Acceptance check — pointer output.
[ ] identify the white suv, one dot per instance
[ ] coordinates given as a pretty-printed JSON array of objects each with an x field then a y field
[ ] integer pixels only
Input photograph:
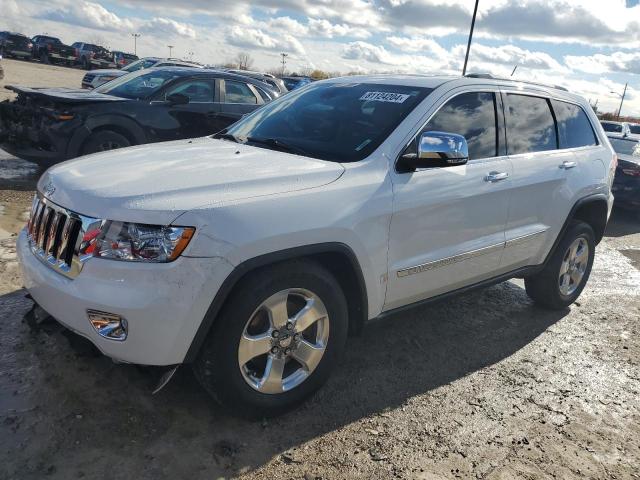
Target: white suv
[{"x": 253, "y": 254}]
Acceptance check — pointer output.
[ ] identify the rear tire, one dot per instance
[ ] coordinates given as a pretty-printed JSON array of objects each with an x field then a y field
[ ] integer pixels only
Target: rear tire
[
  {"x": 104, "y": 141},
  {"x": 86, "y": 65},
  {"x": 566, "y": 273},
  {"x": 44, "y": 58},
  {"x": 242, "y": 378}
]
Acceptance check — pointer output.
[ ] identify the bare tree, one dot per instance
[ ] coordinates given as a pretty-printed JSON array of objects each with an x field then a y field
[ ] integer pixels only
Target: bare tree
[{"x": 244, "y": 61}]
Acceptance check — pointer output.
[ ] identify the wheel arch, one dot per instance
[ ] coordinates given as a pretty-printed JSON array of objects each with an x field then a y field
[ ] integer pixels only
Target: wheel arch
[
  {"x": 592, "y": 210},
  {"x": 338, "y": 258},
  {"x": 130, "y": 129}
]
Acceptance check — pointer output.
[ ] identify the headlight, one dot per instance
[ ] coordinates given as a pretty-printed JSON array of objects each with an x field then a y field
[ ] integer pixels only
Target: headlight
[{"x": 135, "y": 242}]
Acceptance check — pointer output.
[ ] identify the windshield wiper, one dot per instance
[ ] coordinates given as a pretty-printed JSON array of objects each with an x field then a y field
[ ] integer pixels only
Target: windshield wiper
[
  {"x": 274, "y": 142},
  {"x": 227, "y": 136}
]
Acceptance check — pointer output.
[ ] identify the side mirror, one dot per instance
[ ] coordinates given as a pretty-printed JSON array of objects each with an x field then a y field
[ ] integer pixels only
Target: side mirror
[
  {"x": 436, "y": 149},
  {"x": 177, "y": 99}
]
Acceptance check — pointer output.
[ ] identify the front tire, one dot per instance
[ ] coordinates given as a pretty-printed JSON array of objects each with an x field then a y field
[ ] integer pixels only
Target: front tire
[
  {"x": 103, "y": 141},
  {"x": 276, "y": 340},
  {"x": 562, "y": 280}
]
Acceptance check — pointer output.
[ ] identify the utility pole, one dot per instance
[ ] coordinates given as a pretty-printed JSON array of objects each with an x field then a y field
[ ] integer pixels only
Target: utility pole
[
  {"x": 473, "y": 23},
  {"x": 284, "y": 61},
  {"x": 622, "y": 100},
  {"x": 170, "y": 48},
  {"x": 135, "y": 42},
  {"x": 514, "y": 70}
]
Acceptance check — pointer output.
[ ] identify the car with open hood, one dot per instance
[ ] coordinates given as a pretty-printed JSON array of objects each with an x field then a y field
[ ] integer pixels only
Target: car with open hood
[{"x": 48, "y": 125}]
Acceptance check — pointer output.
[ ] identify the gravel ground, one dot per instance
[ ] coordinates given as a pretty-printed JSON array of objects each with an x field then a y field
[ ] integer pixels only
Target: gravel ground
[
  {"x": 485, "y": 385},
  {"x": 32, "y": 74}
]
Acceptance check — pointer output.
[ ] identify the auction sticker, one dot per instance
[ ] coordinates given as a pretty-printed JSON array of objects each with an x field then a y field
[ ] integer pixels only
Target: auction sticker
[{"x": 385, "y": 97}]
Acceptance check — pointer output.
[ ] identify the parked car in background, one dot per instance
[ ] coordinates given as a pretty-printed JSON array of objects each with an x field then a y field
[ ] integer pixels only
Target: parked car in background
[
  {"x": 15, "y": 45},
  {"x": 52, "y": 50},
  {"x": 275, "y": 82},
  {"x": 99, "y": 77},
  {"x": 47, "y": 125},
  {"x": 296, "y": 82},
  {"x": 616, "y": 129},
  {"x": 626, "y": 186},
  {"x": 254, "y": 253},
  {"x": 634, "y": 131},
  {"x": 1, "y": 69},
  {"x": 123, "y": 59},
  {"x": 91, "y": 56}
]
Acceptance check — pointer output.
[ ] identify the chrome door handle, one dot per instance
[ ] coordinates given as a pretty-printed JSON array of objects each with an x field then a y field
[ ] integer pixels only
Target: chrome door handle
[
  {"x": 567, "y": 165},
  {"x": 496, "y": 176}
]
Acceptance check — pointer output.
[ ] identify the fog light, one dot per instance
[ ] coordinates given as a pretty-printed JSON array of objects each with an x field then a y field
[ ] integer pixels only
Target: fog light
[{"x": 108, "y": 325}]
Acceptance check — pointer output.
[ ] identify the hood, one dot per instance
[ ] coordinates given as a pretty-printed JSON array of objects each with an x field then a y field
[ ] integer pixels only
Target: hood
[
  {"x": 65, "y": 95},
  {"x": 157, "y": 183},
  {"x": 109, "y": 72}
]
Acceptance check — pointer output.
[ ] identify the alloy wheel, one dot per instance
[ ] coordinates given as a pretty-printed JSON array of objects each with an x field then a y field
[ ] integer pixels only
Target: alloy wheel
[
  {"x": 574, "y": 264},
  {"x": 283, "y": 341}
]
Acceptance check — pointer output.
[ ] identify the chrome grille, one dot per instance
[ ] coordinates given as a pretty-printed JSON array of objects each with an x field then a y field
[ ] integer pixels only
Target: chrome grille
[{"x": 56, "y": 235}]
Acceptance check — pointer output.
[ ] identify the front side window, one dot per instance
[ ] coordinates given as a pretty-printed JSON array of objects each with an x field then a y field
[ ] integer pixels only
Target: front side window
[
  {"x": 138, "y": 86},
  {"x": 237, "y": 92},
  {"x": 623, "y": 146},
  {"x": 530, "y": 125},
  {"x": 472, "y": 115},
  {"x": 611, "y": 127},
  {"x": 574, "y": 128},
  {"x": 199, "y": 91},
  {"x": 341, "y": 122}
]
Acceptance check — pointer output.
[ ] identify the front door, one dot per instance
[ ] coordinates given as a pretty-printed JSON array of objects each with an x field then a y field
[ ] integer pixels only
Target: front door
[
  {"x": 196, "y": 118},
  {"x": 447, "y": 226}
]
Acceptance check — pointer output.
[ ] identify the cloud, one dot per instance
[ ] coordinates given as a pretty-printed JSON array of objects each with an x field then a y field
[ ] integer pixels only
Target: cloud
[
  {"x": 87, "y": 14},
  {"x": 324, "y": 28},
  {"x": 418, "y": 44},
  {"x": 256, "y": 38},
  {"x": 509, "y": 55},
  {"x": 166, "y": 27},
  {"x": 598, "y": 63}
]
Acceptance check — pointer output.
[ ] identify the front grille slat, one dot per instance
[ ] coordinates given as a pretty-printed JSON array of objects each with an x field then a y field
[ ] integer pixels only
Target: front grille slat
[{"x": 54, "y": 235}]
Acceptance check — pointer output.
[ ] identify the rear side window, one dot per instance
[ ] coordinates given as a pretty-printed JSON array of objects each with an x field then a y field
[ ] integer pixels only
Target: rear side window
[
  {"x": 574, "y": 128},
  {"x": 530, "y": 125},
  {"x": 237, "y": 92},
  {"x": 472, "y": 115}
]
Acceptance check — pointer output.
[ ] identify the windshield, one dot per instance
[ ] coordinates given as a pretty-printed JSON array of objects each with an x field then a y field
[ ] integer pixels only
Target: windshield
[
  {"x": 342, "y": 122},
  {"x": 138, "y": 86},
  {"x": 611, "y": 127},
  {"x": 140, "y": 65},
  {"x": 625, "y": 147},
  {"x": 634, "y": 128}
]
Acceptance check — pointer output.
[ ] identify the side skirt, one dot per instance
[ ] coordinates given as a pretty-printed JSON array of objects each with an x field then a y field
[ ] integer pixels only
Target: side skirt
[{"x": 518, "y": 273}]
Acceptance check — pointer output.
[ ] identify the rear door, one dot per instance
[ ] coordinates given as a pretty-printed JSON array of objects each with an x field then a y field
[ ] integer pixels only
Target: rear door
[
  {"x": 238, "y": 99},
  {"x": 540, "y": 198},
  {"x": 447, "y": 227}
]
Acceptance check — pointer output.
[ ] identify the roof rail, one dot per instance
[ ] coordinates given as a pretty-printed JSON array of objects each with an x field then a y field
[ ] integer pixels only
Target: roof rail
[{"x": 492, "y": 77}]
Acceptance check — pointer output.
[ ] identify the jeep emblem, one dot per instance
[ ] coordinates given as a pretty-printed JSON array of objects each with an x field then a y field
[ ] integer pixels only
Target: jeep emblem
[{"x": 49, "y": 189}]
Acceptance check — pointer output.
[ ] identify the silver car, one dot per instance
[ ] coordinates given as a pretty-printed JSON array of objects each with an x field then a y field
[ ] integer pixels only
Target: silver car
[{"x": 96, "y": 78}]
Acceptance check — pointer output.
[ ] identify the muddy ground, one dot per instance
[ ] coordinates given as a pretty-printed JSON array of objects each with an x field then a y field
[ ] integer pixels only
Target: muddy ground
[{"x": 485, "y": 385}]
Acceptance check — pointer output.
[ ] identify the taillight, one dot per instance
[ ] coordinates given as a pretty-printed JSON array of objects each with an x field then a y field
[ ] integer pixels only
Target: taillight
[
  {"x": 49, "y": 47},
  {"x": 92, "y": 54},
  {"x": 76, "y": 52},
  {"x": 30, "y": 45},
  {"x": 612, "y": 171}
]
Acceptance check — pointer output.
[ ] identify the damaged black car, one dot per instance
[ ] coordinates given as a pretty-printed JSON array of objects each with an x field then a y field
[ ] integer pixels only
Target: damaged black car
[{"x": 48, "y": 125}]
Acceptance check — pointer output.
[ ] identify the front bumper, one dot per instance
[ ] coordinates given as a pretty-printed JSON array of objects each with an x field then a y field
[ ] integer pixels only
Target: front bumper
[
  {"x": 17, "y": 53},
  {"x": 163, "y": 304}
]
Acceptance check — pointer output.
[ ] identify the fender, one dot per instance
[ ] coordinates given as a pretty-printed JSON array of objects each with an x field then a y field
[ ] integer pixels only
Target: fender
[
  {"x": 596, "y": 197},
  {"x": 268, "y": 259},
  {"x": 81, "y": 134}
]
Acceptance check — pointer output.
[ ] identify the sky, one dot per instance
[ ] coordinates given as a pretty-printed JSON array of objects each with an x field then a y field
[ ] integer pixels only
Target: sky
[{"x": 588, "y": 46}]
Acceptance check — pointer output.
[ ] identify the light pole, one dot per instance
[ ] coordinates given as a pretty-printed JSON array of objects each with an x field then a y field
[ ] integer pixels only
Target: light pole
[
  {"x": 514, "y": 70},
  {"x": 284, "y": 61},
  {"x": 473, "y": 23},
  {"x": 170, "y": 48},
  {"x": 135, "y": 42},
  {"x": 621, "y": 98}
]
